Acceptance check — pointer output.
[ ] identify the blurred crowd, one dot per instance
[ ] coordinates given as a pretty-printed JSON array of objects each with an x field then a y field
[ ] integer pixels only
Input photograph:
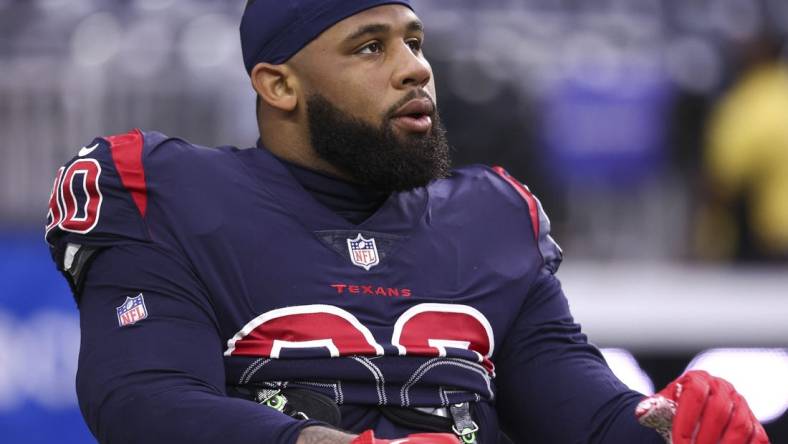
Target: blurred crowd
[{"x": 651, "y": 129}]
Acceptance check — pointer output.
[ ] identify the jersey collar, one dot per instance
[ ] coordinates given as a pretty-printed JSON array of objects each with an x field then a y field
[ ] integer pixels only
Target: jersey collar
[{"x": 399, "y": 214}]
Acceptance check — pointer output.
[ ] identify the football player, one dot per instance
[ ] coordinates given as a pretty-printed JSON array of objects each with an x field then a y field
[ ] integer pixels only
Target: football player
[{"x": 337, "y": 283}]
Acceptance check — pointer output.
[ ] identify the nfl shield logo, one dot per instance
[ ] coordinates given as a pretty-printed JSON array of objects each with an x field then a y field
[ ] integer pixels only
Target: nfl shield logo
[
  {"x": 363, "y": 252},
  {"x": 132, "y": 311}
]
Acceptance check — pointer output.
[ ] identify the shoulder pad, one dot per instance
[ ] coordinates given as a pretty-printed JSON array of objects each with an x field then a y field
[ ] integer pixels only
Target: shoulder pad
[
  {"x": 552, "y": 254},
  {"x": 99, "y": 198}
]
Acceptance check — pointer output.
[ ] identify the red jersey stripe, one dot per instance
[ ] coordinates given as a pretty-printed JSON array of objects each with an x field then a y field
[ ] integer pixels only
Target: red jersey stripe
[
  {"x": 530, "y": 200},
  {"x": 126, "y": 152}
]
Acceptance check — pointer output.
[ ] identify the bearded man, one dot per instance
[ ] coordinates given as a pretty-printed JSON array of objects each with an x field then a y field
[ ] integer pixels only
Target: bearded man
[{"x": 337, "y": 283}]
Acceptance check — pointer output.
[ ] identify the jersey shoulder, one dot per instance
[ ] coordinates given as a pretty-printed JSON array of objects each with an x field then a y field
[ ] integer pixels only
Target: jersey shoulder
[
  {"x": 102, "y": 196},
  {"x": 492, "y": 192}
]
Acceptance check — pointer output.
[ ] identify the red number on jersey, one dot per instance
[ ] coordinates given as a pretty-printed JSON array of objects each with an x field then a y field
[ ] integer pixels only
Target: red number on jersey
[
  {"x": 423, "y": 330},
  {"x": 429, "y": 329},
  {"x": 305, "y": 326},
  {"x": 55, "y": 213},
  {"x": 83, "y": 173}
]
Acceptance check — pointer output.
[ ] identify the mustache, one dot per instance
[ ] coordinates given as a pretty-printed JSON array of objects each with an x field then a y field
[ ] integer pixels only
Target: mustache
[{"x": 413, "y": 94}]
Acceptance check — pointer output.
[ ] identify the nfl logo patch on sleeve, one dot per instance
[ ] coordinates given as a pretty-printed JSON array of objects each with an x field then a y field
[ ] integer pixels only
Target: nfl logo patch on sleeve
[
  {"x": 132, "y": 310},
  {"x": 363, "y": 252}
]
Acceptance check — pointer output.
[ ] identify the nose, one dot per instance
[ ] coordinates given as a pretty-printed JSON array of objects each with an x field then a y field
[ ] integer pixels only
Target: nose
[{"x": 413, "y": 70}]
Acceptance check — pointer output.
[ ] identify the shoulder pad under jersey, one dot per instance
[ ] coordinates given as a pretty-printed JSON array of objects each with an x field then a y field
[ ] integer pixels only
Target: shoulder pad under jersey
[
  {"x": 551, "y": 253},
  {"x": 99, "y": 198}
]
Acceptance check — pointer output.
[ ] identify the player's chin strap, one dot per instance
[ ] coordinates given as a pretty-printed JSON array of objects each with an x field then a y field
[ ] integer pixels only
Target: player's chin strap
[{"x": 463, "y": 425}]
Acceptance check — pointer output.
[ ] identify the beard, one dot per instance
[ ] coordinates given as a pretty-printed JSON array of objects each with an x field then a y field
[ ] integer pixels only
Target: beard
[{"x": 375, "y": 156}]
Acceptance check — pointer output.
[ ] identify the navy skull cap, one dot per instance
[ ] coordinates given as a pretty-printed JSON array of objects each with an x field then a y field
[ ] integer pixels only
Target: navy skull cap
[{"x": 272, "y": 31}]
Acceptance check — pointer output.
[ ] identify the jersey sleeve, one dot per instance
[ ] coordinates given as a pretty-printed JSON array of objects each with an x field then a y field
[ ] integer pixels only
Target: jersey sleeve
[
  {"x": 553, "y": 386},
  {"x": 150, "y": 365},
  {"x": 549, "y": 250},
  {"x": 99, "y": 198}
]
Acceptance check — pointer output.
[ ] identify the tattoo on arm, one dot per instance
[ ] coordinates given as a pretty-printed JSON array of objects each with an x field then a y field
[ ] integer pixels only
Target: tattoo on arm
[{"x": 323, "y": 435}]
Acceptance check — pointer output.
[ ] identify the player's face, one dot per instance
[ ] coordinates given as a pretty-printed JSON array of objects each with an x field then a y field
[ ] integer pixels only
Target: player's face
[
  {"x": 370, "y": 102},
  {"x": 371, "y": 67}
]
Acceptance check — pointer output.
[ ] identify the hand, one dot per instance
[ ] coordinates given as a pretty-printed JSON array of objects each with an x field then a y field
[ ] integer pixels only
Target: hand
[
  {"x": 698, "y": 408},
  {"x": 368, "y": 437}
]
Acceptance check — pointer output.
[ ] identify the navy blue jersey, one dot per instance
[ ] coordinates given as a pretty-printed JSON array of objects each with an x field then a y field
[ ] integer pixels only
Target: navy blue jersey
[{"x": 200, "y": 269}]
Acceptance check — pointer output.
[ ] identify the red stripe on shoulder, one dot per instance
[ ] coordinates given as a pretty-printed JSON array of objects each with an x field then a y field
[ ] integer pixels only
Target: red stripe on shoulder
[
  {"x": 126, "y": 152},
  {"x": 530, "y": 200}
]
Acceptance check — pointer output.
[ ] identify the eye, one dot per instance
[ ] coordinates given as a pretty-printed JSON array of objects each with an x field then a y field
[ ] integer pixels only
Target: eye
[
  {"x": 415, "y": 45},
  {"x": 371, "y": 48}
]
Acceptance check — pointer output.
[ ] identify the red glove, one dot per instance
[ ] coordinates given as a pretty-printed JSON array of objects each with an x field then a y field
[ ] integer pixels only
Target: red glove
[
  {"x": 368, "y": 437},
  {"x": 698, "y": 408}
]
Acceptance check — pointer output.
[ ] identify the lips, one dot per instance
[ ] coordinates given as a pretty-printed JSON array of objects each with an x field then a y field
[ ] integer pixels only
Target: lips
[
  {"x": 415, "y": 116},
  {"x": 416, "y": 107}
]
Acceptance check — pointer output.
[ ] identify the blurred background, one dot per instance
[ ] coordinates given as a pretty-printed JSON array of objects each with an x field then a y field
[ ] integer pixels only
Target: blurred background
[{"x": 655, "y": 133}]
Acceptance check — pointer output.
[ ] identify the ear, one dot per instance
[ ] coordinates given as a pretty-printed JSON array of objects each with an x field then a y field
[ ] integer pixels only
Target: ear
[{"x": 276, "y": 85}]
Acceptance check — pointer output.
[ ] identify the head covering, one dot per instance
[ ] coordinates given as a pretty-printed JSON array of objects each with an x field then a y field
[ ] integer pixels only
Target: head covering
[{"x": 272, "y": 31}]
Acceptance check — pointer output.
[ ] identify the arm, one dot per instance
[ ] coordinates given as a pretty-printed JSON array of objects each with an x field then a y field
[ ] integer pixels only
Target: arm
[
  {"x": 162, "y": 378},
  {"x": 552, "y": 386},
  {"x": 555, "y": 387},
  {"x": 324, "y": 435}
]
